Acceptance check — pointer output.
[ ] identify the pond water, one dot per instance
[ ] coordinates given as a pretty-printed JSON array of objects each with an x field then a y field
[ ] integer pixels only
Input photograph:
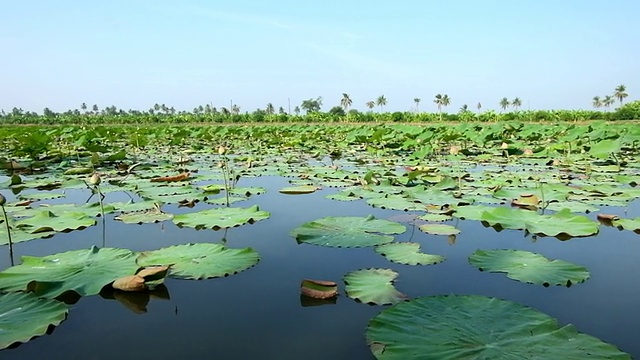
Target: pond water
[{"x": 259, "y": 314}]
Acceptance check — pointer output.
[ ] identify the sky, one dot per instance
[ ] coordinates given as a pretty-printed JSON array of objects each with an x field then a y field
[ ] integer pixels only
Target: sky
[{"x": 132, "y": 54}]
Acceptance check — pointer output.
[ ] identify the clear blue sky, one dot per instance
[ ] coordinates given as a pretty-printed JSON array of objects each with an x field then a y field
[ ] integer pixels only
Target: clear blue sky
[{"x": 132, "y": 54}]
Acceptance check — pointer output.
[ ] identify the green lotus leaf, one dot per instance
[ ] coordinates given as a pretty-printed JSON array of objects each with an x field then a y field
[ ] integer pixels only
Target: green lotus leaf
[
  {"x": 248, "y": 191},
  {"x": 373, "y": 286},
  {"x": 82, "y": 271},
  {"x": 21, "y": 236},
  {"x": 529, "y": 267},
  {"x": 435, "y": 217},
  {"x": 471, "y": 212},
  {"x": 79, "y": 171},
  {"x": 407, "y": 253},
  {"x": 201, "y": 261},
  {"x": 395, "y": 202},
  {"x": 560, "y": 223},
  {"x": 347, "y": 231},
  {"x": 91, "y": 209},
  {"x": 219, "y": 218},
  {"x": 153, "y": 191},
  {"x": 40, "y": 196},
  {"x": 222, "y": 200},
  {"x": 134, "y": 206},
  {"x": 573, "y": 206},
  {"x": 628, "y": 224},
  {"x": 342, "y": 196},
  {"x": 24, "y": 316},
  {"x": 45, "y": 221},
  {"x": 144, "y": 217},
  {"x": 477, "y": 327},
  {"x": 298, "y": 190},
  {"x": 439, "y": 229}
]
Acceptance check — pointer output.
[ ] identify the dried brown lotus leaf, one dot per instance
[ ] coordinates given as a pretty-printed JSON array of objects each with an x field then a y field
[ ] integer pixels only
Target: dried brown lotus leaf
[
  {"x": 153, "y": 272},
  {"x": 130, "y": 283}
]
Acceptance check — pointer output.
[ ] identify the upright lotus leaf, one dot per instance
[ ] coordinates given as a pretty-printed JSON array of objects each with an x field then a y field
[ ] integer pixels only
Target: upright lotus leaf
[
  {"x": 223, "y": 217},
  {"x": 45, "y": 221},
  {"x": 477, "y": 327},
  {"x": 348, "y": 231},
  {"x": 408, "y": 254},
  {"x": 529, "y": 267},
  {"x": 82, "y": 271},
  {"x": 24, "y": 316},
  {"x": 200, "y": 261},
  {"x": 373, "y": 286}
]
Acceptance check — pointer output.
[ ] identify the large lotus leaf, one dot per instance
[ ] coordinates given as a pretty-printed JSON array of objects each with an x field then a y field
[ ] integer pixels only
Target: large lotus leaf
[
  {"x": 477, "y": 327},
  {"x": 91, "y": 210},
  {"x": 395, "y": 202},
  {"x": 628, "y": 224},
  {"x": 373, "y": 286},
  {"x": 222, "y": 200},
  {"x": 471, "y": 212},
  {"x": 45, "y": 220},
  {"x": 348, "y": 231},
  {"x": 562, "y": 222},
  {"x": 439, "y": 229},
  {"x": 134, "y": 206},
  {"x": 201, "y": 261},
  {"x": 573, "y": 206},
  {"x": 24, "y": 316},
  {"x": 20, "y": 236},
  {"x": 529, "y": 267},
  {"x": 82, "y": 271},
  {"x": 222, "y": 217},
  {"x": 407, "y": 253}
]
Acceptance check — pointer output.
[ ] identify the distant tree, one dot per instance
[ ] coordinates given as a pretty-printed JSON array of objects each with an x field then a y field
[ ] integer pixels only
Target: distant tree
[
  {"x": 446, "y": 100},
  {"x": 608, "y": 101},
  {"x": 337, "y": 111},
  {"x": 504, "y": 103},
  {"x": 84, "y": 107},
  {"x": 95, "y": 108},
  {"x": 516, "y": 103},
  {"x": 270, "y": 109},
  {"x": 441, "y": 100},
  {"x": 371, "y": 104},
  {"x": 464, "y": 108},
  {"x": 620, "y": 93},
  {"x": 381, "y": 101},
  {"x": 312, "y": 105},
  {"x": 597, "y": 103},
  {"x": 47, "y": 112},
  {"x": 235, "y": 109},
  {"x": 296, "y": 110},
  {"x": 479, "y": 106},
  {"x": 417, "y": 101},
  {"x": 281, "y": 110},
  {"x": 345, "y": 102}
]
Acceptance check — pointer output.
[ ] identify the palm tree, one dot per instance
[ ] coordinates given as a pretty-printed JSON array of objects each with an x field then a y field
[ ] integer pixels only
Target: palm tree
[
  {"x": 446, "y": 100},
  {"x": 597, "y": 103},
  {"x": 608, "y": 101},
  {"x": 479, "y": 106},
  {"x": 95, "y": 108},
  {"x": 516, "y": 103},
  {"x": 371, "y": 104},
  {"x": 417, "y": 101},
  {"x": 464, "y": 108},
  {"x": 442, "y": 100},
  {"x": 270, "y": 110},
  {"x": 84, "y": 107},
  {"x": 381, "y": 101},
  {"x": 235, "y": 109},
  {"x": 345, "y": 102},
  {"x": 296, "y": 110},
  {"x": 620, "y": 93},
  {"x": 504, "y": 103}
]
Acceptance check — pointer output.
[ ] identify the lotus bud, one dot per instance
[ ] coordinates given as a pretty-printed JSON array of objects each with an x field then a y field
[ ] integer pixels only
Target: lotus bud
[
  {"x": 3, "y": 200},
  {"x": 220, "y": 164},
  {"x": 95, "y": 179},
  {"x": 222, "y": 150}
]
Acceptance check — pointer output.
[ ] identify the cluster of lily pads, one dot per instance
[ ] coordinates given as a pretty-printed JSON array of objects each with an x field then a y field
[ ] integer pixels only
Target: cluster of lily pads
[{"x": 509, "y": 177}]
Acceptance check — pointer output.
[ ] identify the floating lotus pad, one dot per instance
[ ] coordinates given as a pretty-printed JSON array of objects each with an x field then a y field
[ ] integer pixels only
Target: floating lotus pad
[
  {"x": 408, "y": 254},
  {"x": 201, "y": 261},
  {"x": 144, "y": 217},
  {"x": 219, "y": 218},
  {"x": 82, "y": 271},
  {"x": 628, "y": 224},
  {"x": 24, "y": 316},
  {"x": 373, "y": 286},
  {"x": 349, "y": 231},
  {"x": 562, "y": 222},
  {"x": 529, "y": 267},
  {"x": 45, "y": 221},
  {"x": 439, "y": 229},
  {"x": 395, "y": 202},
  {"x": 298, "y": 190},
  {"x": 477, "y": 327}
]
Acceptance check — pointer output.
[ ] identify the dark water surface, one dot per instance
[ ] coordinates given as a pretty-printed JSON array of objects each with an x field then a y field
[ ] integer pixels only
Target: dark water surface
[{"x": 258, "y": 313}]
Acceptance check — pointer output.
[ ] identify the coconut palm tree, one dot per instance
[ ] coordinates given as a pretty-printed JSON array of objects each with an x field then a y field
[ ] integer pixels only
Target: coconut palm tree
[
  {"x": 442, "y": 100},
  {"x": 446, "y": 100},
  {"x": 479, "y": 106},
  {"x": 235, "y": 109},
  {"x": 381, "y": 101},
  {"x": 464, "y": 108},
  {"x": 371, "y": 104},
  {"x": 296, "y": 110},
  {"x": 417, "y": 101},
  {"x": 516, "y": 103},
  {"x": 504, "y": 103},
  {"x": 620, "y": 93},
  {"x": 597, "y": 103},
  {"x": 345, "y": 102},
  {"x": 608, "y": 101},
  {"x": 270, "y": 110}
]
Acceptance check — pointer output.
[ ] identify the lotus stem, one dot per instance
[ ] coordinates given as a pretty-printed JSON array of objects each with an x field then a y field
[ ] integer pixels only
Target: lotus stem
[{"x": 6, "y": 222}]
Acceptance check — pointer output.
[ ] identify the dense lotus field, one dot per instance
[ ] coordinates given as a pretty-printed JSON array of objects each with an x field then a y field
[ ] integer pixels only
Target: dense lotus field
[{"x": 128, "y": 213}]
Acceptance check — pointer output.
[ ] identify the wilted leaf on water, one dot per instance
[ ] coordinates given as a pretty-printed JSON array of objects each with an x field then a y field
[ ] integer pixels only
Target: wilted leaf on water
[
  {"x": 407, "y": 253},
  {"x": 129, "y": 283},
  {"x": 145, "y": 279},
  {"x": 180, "y": 177},
  {"x": 477, "y": 327},
  {"x": 529, "y": 201},
  {"x": 348, "y": 231},
  {"x": 529, "y": 267},
  {"x": 24, "y": 316},
  {"x": 318, "y": 289},
  {"x": 373, "y": 286}
]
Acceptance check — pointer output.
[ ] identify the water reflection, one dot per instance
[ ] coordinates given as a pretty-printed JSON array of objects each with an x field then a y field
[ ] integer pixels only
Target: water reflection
[
  {"x": 306, "y": 301},
  {"x": 136, "y": 301}
]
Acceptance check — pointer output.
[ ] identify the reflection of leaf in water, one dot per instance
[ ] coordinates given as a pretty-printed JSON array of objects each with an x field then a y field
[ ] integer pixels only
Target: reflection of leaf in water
[{"x": 136, "y": 301}]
